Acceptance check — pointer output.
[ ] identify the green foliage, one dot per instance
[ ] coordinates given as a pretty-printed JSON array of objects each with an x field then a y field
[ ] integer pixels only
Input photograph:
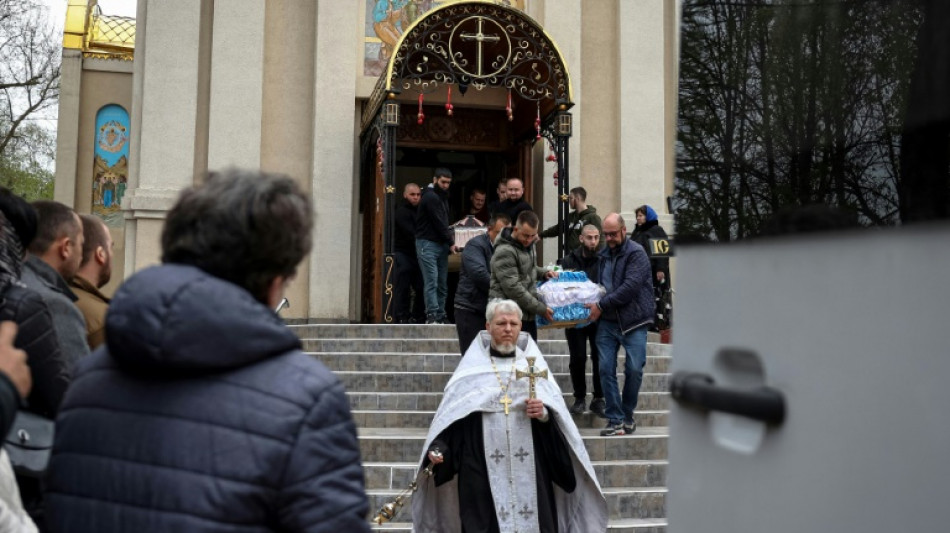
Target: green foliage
[{"x": 30, "y": 182}]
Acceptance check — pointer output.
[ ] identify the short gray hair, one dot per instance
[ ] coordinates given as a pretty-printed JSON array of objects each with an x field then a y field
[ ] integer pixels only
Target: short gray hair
[{"x": 497, "y": 305}]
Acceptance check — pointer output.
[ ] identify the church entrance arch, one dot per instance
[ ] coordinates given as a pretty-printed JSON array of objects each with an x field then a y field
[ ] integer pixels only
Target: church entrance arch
[{"x": 471, "y": 86}]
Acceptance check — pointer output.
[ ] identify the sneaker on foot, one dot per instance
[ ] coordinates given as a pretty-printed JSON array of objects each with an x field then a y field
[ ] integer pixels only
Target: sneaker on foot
[
  {"x": 578, "y": 407},
  {"x": 598, "y": 406},
  {"x": 629, "y": 427},
  {"x": 612, "y": 430}
]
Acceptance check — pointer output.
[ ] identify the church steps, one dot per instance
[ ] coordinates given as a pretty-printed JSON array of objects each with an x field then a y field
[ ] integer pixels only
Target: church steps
[
  {"x": 404, "y": 445},
  {"x": 440, "y": 362},
  {"x": 435, "y": 381},
  {"x": 610, "y": 474},
  {"x": 625, "y": 525},
  {"x": 440, "y": 346},
  {"x": 429, "y": 401},
  {"x": 621, "y": 502},
  {"x": 413, "y": 418},
  {"x": 402, "y": 331},
  {"x": 395, "y": 375},
  {"x": 637, "y": 525}
]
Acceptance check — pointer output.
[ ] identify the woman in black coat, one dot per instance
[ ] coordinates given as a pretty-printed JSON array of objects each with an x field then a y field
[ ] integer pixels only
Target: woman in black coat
[{"x": 648, "y": 228}]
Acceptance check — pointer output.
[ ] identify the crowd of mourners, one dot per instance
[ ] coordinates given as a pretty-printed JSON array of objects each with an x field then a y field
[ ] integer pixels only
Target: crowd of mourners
[{"x": 184, "y": 403}]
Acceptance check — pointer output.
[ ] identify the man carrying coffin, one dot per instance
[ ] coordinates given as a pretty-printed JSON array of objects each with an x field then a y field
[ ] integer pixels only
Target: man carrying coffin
[{"x": 506, "y": 455}]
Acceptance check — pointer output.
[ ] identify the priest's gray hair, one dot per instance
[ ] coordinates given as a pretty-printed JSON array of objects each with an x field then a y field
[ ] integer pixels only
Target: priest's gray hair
[{"x": 497, "y": 305}]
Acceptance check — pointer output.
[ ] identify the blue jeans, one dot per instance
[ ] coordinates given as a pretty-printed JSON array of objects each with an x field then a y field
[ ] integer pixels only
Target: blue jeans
[
  {"x": 434, "y": 263},
  {"x": 609, "y": 340}
]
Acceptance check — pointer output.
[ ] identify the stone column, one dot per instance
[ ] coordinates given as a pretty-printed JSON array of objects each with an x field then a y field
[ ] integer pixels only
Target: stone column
[
  {"x": 288, "y": 110},
  {"x": 562, "y": 22},
  {"x": 237, "y": 71},
  {"x": 644, "y": 125},
  {"x": 67, "y": 130},
  {"x": 334, "y": 263},
  {"x": 165, "y": 119}
]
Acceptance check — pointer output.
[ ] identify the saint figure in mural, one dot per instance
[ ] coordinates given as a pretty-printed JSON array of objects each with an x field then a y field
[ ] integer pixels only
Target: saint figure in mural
[
  {"x": 111, "y": 164},
  {"x": 120, "y": 190},
  {"x": 108, "y": 192},
  {"x": 389, "y": 20}
]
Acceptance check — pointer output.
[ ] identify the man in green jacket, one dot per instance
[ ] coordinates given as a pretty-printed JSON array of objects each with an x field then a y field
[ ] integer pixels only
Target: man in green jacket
[
  {"x": 514, "y": 271},
  {"x": 581, "y": 216}
]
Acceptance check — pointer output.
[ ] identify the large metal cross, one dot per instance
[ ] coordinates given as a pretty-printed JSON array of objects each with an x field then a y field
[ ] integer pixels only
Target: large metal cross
[
  {"x": 532, "y": 374},
  {"x": 479, "y": 38}
]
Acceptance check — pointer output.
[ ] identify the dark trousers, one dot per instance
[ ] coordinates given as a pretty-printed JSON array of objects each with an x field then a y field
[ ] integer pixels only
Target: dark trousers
[
  {"x": 407, "y": 279},
  {"x": 468, "y": 323},
  {"x": 530, "y": 326},
  {"x": 577, "y": 341}
]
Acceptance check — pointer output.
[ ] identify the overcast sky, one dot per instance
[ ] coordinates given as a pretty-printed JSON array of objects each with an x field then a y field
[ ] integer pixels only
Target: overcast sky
[
  {"x": 57, "y": 17},
  {"x": 57, "y": 10}
]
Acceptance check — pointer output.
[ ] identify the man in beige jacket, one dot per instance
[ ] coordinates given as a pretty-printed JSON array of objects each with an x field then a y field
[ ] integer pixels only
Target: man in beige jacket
[{"x": 94, "y": 272}]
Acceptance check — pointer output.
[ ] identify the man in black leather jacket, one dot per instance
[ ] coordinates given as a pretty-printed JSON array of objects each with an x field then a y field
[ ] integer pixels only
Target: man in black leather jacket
[
  {"x": 471, "y": 297},
  {"x": 408, "y": 305},
  {"x": 26, "y": 308}
]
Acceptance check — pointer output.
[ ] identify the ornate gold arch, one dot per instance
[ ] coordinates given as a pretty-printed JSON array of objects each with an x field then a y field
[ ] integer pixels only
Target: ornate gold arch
[{"x": 476, "y": 44}]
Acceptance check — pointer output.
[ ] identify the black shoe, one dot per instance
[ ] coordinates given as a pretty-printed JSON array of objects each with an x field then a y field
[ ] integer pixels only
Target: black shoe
[
  {"x": 578, "y": 407},
  {"x": 629, "y": 427},
  {"x": 612, "y": 430},
  {"x": 598, "y": 406}
]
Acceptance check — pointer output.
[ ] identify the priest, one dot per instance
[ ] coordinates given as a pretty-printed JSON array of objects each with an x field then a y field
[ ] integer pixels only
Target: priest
[{"x": 505, "y": 453}]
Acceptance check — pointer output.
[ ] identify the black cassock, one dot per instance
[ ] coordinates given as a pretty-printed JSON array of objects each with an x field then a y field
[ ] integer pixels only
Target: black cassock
[{"x": 462, "y": 445}]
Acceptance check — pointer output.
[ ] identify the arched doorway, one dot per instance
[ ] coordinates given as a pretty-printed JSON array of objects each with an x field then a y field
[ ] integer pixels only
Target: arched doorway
[{"x": 467, "y": 78}]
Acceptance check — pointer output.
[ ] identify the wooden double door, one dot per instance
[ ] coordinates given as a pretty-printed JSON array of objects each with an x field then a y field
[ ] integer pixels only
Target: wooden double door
[{"x": 475, "y": 144}]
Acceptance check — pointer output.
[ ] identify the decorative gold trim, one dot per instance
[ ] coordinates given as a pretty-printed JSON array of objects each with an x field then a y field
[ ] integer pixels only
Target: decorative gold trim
[
  {"x": 390, "y": 189},
  {"x": 75, "y": 24},
  {"x": 389, "y": 289},
  {"x": 98, "y": 35},
  {"x": 384, "y": 84},
  {"x": 564, "y": 198}
]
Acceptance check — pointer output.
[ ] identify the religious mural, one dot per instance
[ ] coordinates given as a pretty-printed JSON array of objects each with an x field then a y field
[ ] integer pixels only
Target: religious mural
[
  {"x": 387, "y": 19},
  {"x": 111, "y": 168}
]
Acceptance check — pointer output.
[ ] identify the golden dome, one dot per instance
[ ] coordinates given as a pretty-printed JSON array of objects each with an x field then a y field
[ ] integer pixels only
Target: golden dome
[{"x": 96, "y": 34}]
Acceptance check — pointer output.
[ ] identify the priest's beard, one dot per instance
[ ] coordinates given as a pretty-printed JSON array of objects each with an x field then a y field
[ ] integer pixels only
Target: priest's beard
[{"x": 505, "y": 349}]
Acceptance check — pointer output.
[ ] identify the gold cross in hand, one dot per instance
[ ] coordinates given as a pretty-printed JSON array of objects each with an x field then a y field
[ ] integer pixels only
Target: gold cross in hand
[{"x": 532, "y": 374}]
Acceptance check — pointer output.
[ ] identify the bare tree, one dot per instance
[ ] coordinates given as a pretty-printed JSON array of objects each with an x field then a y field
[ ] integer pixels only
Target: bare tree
[
  {"x": 30, "y": 58},
  {"x": 788, "y": 103}
]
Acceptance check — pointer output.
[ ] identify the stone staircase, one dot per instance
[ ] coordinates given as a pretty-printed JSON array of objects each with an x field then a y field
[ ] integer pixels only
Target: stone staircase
[{"x": 394, "y": 376}]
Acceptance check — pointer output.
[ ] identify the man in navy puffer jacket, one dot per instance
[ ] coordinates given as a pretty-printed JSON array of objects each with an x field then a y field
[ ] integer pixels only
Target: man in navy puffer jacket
[
  {"x": 625, "y": 314},
  {"x": 201, "y": 413}
]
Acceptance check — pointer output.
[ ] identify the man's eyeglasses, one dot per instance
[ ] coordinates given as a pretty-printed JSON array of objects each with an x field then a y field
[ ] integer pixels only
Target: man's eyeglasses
[{"x": 612, "y": 234}]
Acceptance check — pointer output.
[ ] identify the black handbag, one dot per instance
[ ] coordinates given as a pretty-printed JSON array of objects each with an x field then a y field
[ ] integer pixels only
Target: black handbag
[{"x": 30, "y": 443}]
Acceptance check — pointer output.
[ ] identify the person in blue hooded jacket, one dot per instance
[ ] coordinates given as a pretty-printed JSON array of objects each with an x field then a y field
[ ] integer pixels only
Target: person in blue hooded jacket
[
  {"x": 201, "y": 413},
  {"x": 648, "y": 227}
]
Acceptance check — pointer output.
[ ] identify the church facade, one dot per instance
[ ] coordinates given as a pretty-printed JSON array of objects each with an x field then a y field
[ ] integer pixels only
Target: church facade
[{"x": 355, "y": 100}]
